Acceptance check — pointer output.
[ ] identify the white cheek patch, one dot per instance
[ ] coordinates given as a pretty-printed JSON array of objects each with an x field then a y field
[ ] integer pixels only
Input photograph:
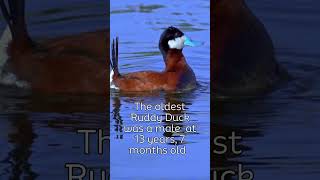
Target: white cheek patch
[{"x": 177, "y": 43}]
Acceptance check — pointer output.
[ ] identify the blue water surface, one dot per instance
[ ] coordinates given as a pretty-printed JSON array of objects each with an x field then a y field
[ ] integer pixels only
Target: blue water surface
[{"x": 139, "y": 24}]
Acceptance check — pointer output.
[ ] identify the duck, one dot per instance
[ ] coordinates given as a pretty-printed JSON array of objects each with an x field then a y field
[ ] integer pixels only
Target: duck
[
  {"x": 73, "y": 64},
  {"x": 177, "y": 74},
  {"x": 242, "y": 54}
]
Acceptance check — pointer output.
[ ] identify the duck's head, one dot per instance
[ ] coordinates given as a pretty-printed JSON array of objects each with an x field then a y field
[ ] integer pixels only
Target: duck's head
[{"x": 174, "y": 38}]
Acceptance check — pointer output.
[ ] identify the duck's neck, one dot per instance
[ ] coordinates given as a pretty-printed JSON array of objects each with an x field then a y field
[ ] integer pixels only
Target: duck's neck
[
  {"x": 175, "y": 60},
  {"x": 164, "y": 48}
]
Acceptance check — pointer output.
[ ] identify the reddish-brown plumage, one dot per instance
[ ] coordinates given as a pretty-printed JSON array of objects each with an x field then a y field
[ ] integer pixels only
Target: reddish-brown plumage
[
  {"x": 73, "y": 64},
  {"x": 70, "y": 64},
  {"x": 177, "y": 75}
]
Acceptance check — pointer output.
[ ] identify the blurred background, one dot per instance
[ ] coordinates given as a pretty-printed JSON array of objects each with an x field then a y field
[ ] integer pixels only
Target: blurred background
[
  {"x": 281, "y": 130},
  {"x": 38, "y": 132}
]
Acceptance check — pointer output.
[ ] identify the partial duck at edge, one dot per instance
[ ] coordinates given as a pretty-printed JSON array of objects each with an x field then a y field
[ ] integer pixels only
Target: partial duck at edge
[
  {"x": 243, "y": 58},
  {"x": 71, "y": 64}
]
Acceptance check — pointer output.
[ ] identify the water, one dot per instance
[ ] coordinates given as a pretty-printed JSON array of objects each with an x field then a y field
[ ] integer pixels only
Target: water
[
  {"x": 38, "y": 133},
  {"x": 281, "y": 131},
  {"x": 139, "y": 25}
]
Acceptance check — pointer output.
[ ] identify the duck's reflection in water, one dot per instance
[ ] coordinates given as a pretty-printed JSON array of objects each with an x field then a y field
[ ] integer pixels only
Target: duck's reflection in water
[
  {"x": 40, "y": 125},
  {"x": 227, "y": 119},
  {"x": 155, "y": 98},
  {"x": 21, "y": 137},
  {"x": 161, "y": 145},
  {"x": 176, "y": 100},
  {"x": 118, "y": 127}
]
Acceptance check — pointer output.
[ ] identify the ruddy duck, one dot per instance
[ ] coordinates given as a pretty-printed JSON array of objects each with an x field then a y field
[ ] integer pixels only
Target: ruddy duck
[
  {"x": 177, "y": 74},
  {"x": 73, "y": 64},
  {"x": 243, "y": 61}
]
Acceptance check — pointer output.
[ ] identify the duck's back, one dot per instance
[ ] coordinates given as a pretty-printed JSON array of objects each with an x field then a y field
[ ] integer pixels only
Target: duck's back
[{"x": 64, "y": 65}]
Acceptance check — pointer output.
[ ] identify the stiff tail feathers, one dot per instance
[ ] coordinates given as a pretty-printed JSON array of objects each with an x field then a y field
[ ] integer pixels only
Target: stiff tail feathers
[
  {"x": 114, "y": 62},
  {"x": 114, "y": 57},
  {"x": 13, "y": 12}
]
